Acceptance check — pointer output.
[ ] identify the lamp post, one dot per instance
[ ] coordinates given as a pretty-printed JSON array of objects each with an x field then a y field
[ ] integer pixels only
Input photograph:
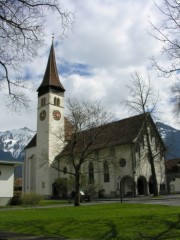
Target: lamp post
[{"x": 120, "y": 188}]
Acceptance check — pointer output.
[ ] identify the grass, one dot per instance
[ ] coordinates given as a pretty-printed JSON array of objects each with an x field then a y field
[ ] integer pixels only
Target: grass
[
  {"x": 52, "y": 202},
  {"x": 107, "y": 221}
]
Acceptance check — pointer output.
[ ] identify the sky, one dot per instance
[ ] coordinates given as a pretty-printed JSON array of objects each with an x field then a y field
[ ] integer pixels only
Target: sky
[{"x": 107, "y": 42}]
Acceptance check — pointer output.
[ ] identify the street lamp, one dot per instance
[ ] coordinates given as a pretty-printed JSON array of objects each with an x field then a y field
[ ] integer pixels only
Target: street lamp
[{"x": 120, "y": 187}]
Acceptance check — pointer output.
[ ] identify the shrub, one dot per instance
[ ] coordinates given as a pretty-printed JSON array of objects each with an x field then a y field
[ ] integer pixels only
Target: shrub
[
  {"x": 16, "y": 200},
  {"x": 31, "y": 199}
]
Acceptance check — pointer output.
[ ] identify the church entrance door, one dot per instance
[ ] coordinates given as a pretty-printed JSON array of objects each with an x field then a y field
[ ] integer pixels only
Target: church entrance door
[{"x": 142, "y": 186}]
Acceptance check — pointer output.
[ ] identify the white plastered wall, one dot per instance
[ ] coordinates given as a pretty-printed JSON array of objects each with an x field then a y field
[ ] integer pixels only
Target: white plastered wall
[{"x": 6, "y": 183}]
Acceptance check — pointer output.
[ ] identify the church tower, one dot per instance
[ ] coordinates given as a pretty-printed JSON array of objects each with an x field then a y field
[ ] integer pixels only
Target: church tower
[{"x": 50, "y": 123}]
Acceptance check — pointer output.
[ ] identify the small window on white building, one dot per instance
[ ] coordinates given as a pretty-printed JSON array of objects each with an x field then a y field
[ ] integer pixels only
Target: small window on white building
[
  {"x": 96, "y": 155},
  {"x": 65, "y": 170},
  {"x": 172, "y": 188},
  {"x": 55, "y": 101},
  {"x": 91, "y": 173},
  {"x": 43, "y": 102},
  {"x": 111, "y": 152},
  {"x": 58, "y": 102},
  {"x": 43, "y": 184},
  {"x": 106, "y": 171}
]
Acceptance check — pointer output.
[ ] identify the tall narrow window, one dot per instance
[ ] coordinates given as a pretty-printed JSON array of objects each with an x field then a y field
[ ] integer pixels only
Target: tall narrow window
[
  {"x": 106, "y": 171},
  {"x": 55, "y": 101},
  {"x": 58, "y": 102},
  {"x": 111, "y": 152},
  {"x": 43, "y": 102},
  {"x": 91, "y": 173}
]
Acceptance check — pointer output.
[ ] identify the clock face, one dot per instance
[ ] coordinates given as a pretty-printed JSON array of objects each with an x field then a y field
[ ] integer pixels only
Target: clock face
[
  {"x": 56, "y": 115},
  {"x": 42, "y": 115}
]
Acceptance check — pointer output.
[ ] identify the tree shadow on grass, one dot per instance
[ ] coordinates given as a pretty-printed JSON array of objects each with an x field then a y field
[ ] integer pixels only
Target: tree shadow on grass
[
  {"x": 172, "y": 231},
  {"x": 39, "y": 228},
  {"x": 112, "y": 233}
]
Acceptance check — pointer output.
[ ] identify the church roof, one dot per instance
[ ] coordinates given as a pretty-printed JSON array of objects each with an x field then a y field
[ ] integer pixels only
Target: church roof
[
  {"x": 51, "y": 78},
  {"x": 68, "y": 132},
  {"x": 32, "y": 142},
  {"x": 124, "y": 131}
]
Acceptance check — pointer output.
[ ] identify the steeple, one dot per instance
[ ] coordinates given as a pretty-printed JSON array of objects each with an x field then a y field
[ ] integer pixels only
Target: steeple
[{"x": 51, "y": 79}]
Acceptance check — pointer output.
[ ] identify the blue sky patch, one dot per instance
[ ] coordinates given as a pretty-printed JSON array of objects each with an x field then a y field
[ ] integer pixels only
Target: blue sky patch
[{"x": 67, "y": 68}]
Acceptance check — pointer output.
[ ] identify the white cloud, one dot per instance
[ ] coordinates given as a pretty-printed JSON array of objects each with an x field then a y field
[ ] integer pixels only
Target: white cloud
[{"x": 111, "y": 38}]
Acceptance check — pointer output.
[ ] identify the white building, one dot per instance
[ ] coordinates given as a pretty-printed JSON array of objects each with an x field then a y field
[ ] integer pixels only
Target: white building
[
  {"x": 123, "y": 160},
  {"x": 173, "y": 175},
  {"x": 6, "y": 181}
]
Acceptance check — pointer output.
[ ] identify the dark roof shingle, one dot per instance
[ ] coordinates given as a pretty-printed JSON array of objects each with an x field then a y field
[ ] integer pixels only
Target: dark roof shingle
[
  {"x": 51, "y": 77},
  {"x": 109, "y": 135}
]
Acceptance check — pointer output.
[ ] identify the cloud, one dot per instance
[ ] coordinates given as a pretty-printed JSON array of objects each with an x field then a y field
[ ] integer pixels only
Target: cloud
[{"x": 108, "y": 41}]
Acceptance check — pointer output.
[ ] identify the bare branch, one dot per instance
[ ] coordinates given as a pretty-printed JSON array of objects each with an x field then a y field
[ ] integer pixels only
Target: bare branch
[
  {"x": 22, "y": 31},
  {"x": 167, "y": 32},
  {"x": 143, "y": 99}
]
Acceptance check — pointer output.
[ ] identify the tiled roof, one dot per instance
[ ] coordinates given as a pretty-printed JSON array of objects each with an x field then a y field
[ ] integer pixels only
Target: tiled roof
[
  {"x": 51, "y": 77},
  {"x": 68, "y": 132},
  {"x": 32, "y": 142},
  {"x": 120, "y": 132},
  {"x": 172, "y": 163},
  {"x": 116, "y": 133}
]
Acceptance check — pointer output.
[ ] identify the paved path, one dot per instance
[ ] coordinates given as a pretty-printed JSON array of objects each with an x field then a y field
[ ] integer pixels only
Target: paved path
[{"x": 171, "y": 200}]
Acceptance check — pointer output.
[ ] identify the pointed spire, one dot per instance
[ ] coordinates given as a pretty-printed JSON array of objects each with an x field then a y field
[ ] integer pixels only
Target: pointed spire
[{"x": 51, "y": 78}]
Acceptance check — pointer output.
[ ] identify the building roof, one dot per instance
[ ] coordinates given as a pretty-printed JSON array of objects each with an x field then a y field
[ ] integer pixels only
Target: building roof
[
  {"x": 68, "y": 132},
  {"x": 10, "y": 163},
  {"x": 32, "y": 142},
  {"x": 121, "y": 132},
  {"x": 124, "y": 131},
  {"x": 172, "y": 163},
  {"x": 51, "y": 78}
]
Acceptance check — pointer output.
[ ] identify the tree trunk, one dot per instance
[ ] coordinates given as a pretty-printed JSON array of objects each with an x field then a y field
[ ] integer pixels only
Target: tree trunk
[
  {"x": 151, "y": 161},
  {"x": 153, "y": 172},
  {"x": 77, "y": 189}
]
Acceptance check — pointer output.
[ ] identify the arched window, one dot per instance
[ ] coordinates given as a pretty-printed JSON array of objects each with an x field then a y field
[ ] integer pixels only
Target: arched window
[
  {"x": 106, "y": 171},
  {"x": 43, "y": 102},
  {"x": 55, "y": 101},
  {"x": 91, "y": 173},
  {"x": 58, "y": 102}
]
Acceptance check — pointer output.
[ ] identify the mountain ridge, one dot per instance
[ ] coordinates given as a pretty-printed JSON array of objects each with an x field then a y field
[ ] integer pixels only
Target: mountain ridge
[{"x": 12, "y": 143}]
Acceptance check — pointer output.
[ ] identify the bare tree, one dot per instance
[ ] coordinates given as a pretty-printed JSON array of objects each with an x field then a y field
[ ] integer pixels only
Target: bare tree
[
  {"x": 143, "y": 100},
  {"x": 87, "y": 133},
  {"x": 175, "y": 89},
  {"x": 167, "y": 32},
  {"x": 22, "y": 32}
]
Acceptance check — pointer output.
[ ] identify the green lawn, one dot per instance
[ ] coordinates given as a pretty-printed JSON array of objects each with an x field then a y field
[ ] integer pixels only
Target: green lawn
[
  {"x": 102, "y": 222},
  {"x": 52, "y": 202}
]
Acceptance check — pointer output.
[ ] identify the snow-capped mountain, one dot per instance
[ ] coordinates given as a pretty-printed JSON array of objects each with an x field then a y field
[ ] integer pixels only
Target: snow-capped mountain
[
  {"x": 12, "y": 143},
  {"x": 171, "y": 138},
  {"x": 15, "y": 140}
]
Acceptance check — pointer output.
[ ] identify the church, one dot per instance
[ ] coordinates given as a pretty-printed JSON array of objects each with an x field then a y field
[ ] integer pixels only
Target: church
[{"x": 120, "y": 167}]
